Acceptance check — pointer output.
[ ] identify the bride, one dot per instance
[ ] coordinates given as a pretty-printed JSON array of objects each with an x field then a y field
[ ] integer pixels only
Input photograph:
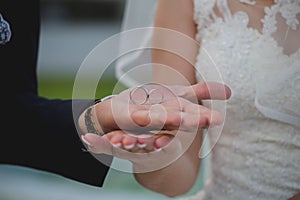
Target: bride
[{"x": 253, "y": 46}]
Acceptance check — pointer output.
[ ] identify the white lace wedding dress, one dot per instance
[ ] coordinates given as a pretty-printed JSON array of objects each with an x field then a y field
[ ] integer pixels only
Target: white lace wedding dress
[{"x": 257, "y": 156}]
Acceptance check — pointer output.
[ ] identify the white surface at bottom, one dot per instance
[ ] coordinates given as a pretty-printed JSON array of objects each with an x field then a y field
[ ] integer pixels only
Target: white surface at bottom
[{"x": 18, "y": 183}]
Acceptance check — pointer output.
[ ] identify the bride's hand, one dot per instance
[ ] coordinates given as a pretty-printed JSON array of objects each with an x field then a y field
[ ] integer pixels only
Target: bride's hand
[
  {"x": 173, "y": 124},
  {"x": 179, "y": 104}
]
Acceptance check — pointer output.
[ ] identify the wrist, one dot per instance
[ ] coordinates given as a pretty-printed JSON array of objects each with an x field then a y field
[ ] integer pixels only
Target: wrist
[
  {"x": 91, "y": 121},
  {"x": 95, "y": 119},
  {"x": 102, "y": 115}
]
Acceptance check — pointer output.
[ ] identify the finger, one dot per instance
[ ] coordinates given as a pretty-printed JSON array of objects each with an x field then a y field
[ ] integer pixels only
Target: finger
[
  {"x": 138, "y": 144},
  {"x": 192, "y": 116},
  {"x": 184, "y": 117},
  {"x": 193, "y": 112},
  {"x": 162, "y": 140},
  {"x": 156, "y": 118},
  {"x": 97, "y": 144},
  {"x": 212, "y": 90},
  {"x": 204, "y": 120},
  {"x": 205, "y": 90},
  {"x": 147, "y": 143},
  {"x": 143, "y": 141},
  {"x": 129, "y": 142},
  {"x": 116, "y": 139},
  {"x": 123, "y": 140}
]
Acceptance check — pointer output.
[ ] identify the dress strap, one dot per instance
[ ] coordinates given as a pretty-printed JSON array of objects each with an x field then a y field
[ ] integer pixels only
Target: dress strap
[
  {"x": 286, "y": 80},
  {"x": 277, "y": 115}
]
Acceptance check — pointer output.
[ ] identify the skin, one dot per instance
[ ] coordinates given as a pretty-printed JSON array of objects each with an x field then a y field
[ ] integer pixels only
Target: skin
[
  {"x": 169, "y": 144},
  {"x": 164, "y": 180},
  {"x": 177, "y": 111},
  {"x": 186, "y": 167},
  {"x": 296, "y": 197},
  {"x": 162, "y": 146},
  {"x": 179, "y": 108}
]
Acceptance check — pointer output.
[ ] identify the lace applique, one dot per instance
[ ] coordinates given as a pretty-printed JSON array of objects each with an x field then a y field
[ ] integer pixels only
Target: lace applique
[
  {"x": 288, "y": 10},
  {"x": 269, "y": 20}
]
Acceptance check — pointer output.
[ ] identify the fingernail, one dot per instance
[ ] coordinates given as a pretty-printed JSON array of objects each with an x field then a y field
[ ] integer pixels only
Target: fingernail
[
  {"x": 117, "y": 145},
  {"x": 141, "y": 145},
  {"x": 157, "y": 149},
  {"x": 85, "y": 141},
  {"x": 129, "y": 146}
]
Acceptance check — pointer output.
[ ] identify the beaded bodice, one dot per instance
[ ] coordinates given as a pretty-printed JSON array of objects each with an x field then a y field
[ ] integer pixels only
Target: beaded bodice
[{"x": 256, "y": 156}]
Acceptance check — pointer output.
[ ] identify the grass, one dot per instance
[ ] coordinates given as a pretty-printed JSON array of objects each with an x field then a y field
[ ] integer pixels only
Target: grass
[{"x": 62, "y": 87}]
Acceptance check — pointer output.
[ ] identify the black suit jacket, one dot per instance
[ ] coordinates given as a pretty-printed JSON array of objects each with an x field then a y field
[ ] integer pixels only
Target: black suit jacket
[{"x": 37, "y": 132}]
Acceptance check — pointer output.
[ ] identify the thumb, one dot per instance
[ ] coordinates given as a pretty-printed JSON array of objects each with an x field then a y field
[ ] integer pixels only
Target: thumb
[
  {"x": 211, "y": 90},
  {"x": 204, "y": 90}
]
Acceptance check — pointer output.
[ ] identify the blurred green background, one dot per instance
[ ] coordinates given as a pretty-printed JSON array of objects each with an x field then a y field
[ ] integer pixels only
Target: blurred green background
[{"x": 69, "y": 31}]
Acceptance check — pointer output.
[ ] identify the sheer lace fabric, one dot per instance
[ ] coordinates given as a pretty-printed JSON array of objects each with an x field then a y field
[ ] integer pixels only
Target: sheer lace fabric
[{"x": 257, "y": 154}]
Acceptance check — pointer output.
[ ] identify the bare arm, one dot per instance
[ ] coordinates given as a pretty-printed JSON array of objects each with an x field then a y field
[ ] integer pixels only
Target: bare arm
[
  {"x": 177, "y": 178},
  {"x": 175, "y": 15},
  {"x": 152, "y": 168}
]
